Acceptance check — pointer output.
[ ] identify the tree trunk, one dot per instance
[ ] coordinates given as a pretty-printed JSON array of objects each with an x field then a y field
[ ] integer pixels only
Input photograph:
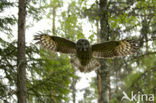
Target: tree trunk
[
  {"x": 144, "y": 32},
  {"x": 21, "y": 59},
  {"x": 53, "y": 23},
  {"x": 103, "y": 72},
  {"x": 73, "y": 87}
]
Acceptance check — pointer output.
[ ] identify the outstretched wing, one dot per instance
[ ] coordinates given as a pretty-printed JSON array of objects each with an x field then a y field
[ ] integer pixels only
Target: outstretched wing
[
  {"x": 55, "y": 43},
  {"x": 115, "y": 48},
  {"x": 92, "y": 65}
]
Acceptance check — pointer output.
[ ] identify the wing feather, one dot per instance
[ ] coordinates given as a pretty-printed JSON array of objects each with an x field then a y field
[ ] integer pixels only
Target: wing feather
[
  {"x": 55, "y": 43},
  {"x": 114, "y": 48}
]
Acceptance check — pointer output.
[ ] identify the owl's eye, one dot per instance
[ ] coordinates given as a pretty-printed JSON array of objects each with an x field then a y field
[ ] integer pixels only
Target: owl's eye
[{"x": 79, "y": 44}]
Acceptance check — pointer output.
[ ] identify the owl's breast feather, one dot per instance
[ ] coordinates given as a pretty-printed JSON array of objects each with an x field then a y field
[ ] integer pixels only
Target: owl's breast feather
[{"x": 84, "y": 56}]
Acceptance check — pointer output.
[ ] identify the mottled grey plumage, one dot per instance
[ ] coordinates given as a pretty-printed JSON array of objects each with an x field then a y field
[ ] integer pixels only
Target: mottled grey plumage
[{"x": 84, "y": 53}]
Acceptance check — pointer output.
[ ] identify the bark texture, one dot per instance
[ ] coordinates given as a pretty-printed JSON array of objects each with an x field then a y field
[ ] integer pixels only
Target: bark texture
[
  {"x": 103, "y": 72},
  {"x": 21, "y": 59}
]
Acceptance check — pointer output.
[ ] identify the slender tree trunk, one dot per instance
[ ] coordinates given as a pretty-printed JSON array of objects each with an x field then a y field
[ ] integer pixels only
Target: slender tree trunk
[
  {"x": 97, "y": 25},
  {"x": 73, "y": 87},
  {"x": 144, "y": 32},
  {"x": 109, "y": 85},
  {"x": 21, "y": 59},
  {"x": 98, "y": 34},
  {"x": 53, "y": 23},
  {"x": 103, "y": 72}
]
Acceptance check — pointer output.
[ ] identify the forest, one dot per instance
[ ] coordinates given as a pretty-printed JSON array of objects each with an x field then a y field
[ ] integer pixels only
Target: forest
[{"x": 31, "y": 74}]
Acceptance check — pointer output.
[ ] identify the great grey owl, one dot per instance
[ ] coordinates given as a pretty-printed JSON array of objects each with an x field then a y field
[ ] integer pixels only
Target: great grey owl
[{"x": 84, "y": 54}]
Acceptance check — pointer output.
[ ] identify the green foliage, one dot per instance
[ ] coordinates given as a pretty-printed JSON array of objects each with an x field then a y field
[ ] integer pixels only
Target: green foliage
[
  {"x": 8, "y": 69},
  {"x": 70, "y": 26},
  {"x": 5, "y": 4},
  {"x": 35, "y": 10},
  {"x": 49, "y": 76},
  {"x": 132, "y": 78},
  {"x": 114, "y": 100},
  {"x": 6, "y": 21},
  {"x": 53, "y": 5}
]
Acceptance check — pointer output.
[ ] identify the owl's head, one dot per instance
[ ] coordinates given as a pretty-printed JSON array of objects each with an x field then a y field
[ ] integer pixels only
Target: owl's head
[{"x": 83, "y": 45}]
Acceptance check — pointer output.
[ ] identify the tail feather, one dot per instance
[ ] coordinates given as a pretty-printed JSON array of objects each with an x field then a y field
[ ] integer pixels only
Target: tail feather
[{"x": 92, "y": 65}]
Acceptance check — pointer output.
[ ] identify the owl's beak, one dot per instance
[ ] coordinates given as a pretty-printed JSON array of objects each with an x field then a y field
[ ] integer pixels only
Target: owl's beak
[{"x": 84, "y": 49}]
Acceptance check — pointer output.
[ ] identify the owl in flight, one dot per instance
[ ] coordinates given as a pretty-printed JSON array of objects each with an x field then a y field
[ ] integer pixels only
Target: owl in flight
[{"x": 83, "y": 54}]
